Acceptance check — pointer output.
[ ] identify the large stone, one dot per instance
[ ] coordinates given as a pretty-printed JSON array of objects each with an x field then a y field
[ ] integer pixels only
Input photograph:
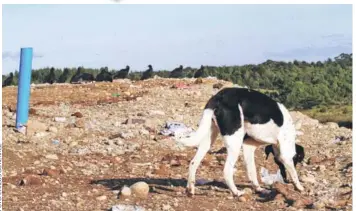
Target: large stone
[{"x": 140, "y": 189}]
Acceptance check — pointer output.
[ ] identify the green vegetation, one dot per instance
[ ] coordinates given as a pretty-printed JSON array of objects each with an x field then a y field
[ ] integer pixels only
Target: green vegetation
[
  {"x": 314, "y": 87},
  {"x": 330, "y": 113}
]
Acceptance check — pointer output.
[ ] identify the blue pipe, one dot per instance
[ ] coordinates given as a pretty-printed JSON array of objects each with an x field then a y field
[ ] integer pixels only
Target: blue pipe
[{"x": 24, "y": 85}]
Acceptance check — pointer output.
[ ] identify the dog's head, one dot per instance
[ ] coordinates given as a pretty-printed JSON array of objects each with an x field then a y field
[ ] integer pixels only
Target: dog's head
[{"x": 298, "y": 158}]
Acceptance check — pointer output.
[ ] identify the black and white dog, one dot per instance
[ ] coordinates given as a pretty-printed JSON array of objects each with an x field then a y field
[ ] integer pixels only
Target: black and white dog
[{"x": 247, "y": 119}]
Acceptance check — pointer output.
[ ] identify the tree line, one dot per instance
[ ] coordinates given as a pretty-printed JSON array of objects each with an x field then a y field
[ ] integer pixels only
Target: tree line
[{"x": 297, "y": 84}]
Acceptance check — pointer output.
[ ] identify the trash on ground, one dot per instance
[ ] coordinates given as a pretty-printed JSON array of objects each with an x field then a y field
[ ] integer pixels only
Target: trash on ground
[
  {"x": 176, "y": 129},
  {"x": 126, "y": 207},
  {"x": 56, "y": 142},
  {"x": 115, "y": 94},
  {"x": 339, "y": 139},
  {"x": 202, "y": 181},
  {"x": 59, "y": 119},
  {"x": 180, "y": 86},
  {"x": 269, "y": 179}
]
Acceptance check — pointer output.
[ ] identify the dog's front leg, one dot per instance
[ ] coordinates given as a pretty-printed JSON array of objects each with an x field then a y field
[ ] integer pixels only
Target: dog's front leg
[{"x": 249, "y": 148}]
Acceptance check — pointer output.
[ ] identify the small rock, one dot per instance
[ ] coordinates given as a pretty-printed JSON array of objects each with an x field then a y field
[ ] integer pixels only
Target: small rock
[
  {"x": 125, "y": 207},
  {"x": 314, "y": 160},
  {"x": 11, "y": 185},
  {"x": 248, "y": 191},
  {"x": 41, "y": 134},
  {"x": 218, "y": 86},
  {"x": 51, "y": 156},
  {"x": 51, "y": 172},
  {"x": 134, "y": 121},
  {"x": 77, "y": 114},
  {"x": 166, "y": 207},
  {"x": 321, "y": 168},
  {"x": 15, "y": 199},
  {"x": 125, "y": 191},
  {"x": 64, "y": 194},
  {"x": 308, "y": 178},
  {"x": 319, "y": 205},
  {"x": 198, "y": 81},
  {"x": 80, "y": 123},
  {"x": 242, "y": 199},
  {"x": 332, "y": 125},
  {"x": 73, "y": 144},
  {"x": 53, "y": 129},
  {"x": 157, "y": 112},
  {"x": 101, "y": 198},
  {"x": 144, "y": 132},
  {"x": 126, "y": 135},
  {"x": 140, "y": 189}
]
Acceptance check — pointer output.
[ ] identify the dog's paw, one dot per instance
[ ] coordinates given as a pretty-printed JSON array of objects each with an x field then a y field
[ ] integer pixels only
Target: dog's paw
[
  {"x": 239, "y": 193},
  {"x": 190, "y": 191}
]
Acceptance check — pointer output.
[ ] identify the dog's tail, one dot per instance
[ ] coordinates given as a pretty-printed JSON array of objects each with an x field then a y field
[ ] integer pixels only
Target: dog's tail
[{"x": 204, "y": 130}]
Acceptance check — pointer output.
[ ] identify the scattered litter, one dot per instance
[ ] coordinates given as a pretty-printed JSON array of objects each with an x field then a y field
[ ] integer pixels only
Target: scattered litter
[
  {"x": 176, "y": 129},
  {"x": 339, "y": 139},
  {"x": 59, "y": 119},
  {"x": 180, "y": 86},
  {"x": 56, "y": 142},
  {"x": 125, "y": 207},
  {"x": 202, "y": 181},
  {"x": 115, "y": 94},
  {"x": 269, "y": 179}
]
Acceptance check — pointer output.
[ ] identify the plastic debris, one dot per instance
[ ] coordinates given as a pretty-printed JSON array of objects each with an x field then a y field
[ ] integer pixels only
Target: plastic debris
[
  {"x": 202, "y": 181},
  {"x": 56, "y": 142},
  {"x": 125, "y": 207},
  {"x": 115, "y": 94},
  {"x": 180, "y": 86},
  {"x": 339, "y": 139},
  {"x": 176, "y": 129},
  {"x": 269, "y": 179},
  {"x": 59, "y": 119}
]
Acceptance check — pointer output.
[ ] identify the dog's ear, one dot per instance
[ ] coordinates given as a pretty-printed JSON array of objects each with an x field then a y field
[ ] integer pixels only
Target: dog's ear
[
  {"x": 268, "y": 150},
  {"x": 300, "y": 153}
]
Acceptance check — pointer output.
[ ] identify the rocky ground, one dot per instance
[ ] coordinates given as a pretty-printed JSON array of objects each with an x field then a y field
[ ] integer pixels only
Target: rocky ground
[{"x": 86, "y": 142}]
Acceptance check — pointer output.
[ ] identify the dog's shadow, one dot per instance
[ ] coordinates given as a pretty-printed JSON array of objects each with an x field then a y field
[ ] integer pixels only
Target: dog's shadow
[
  {"x": 170, "y": 185},
  {"x": 160, "y": 183}
]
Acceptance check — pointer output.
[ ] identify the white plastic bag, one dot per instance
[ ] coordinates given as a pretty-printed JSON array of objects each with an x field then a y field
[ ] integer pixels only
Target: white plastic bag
[{"x": 269, "y": 179}]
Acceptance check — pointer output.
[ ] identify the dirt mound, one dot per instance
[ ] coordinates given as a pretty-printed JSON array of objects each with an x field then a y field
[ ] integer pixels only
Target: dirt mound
[{"x": 88, "y": 141}]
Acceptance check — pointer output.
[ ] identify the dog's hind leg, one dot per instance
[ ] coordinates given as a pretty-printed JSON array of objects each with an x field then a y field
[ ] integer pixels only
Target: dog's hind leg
[
  {"x": 233, "y": 145},
  {"x": 203, "y": 148},
  {"x": 233, "y": 132}
]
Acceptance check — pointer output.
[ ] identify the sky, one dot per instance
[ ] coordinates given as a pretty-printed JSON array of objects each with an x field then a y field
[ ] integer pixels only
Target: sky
[{"x": 167, "y": 36}]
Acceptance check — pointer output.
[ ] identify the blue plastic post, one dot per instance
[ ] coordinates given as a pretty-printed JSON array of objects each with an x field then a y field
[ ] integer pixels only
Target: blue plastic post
[{"x": 24, "y": 85}]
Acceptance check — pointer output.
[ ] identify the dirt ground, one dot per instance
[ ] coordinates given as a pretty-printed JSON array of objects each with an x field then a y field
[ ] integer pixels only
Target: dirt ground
[{"x": 86, "y": 141}]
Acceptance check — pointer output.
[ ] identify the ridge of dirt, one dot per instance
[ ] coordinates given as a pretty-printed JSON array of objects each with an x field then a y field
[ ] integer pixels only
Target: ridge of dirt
[{"x": 92, "y": 139}]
